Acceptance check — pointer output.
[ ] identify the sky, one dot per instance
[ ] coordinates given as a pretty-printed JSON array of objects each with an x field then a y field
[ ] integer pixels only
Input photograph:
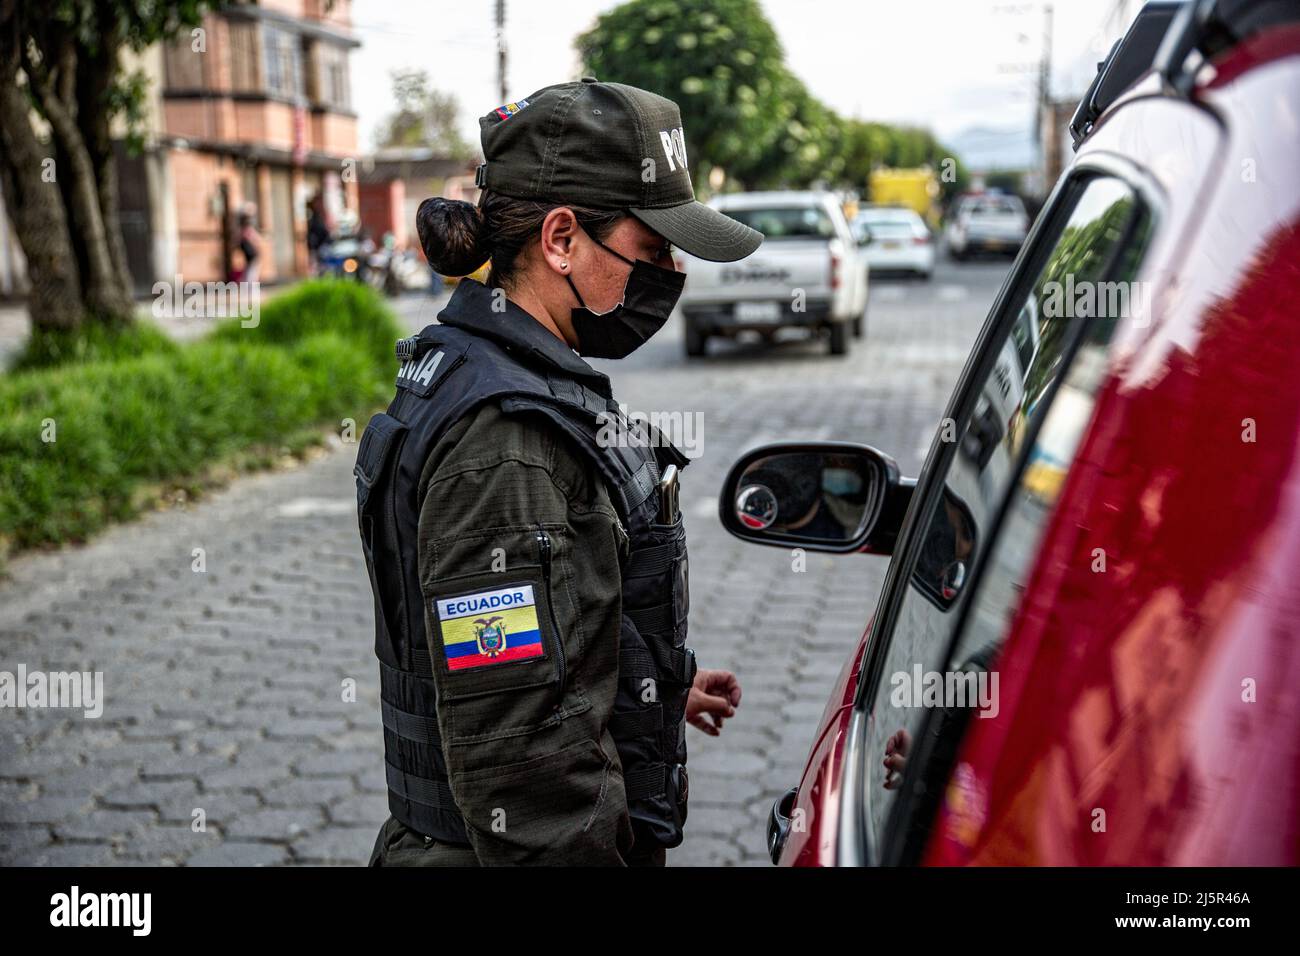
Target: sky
[{"x": 949, "y": 65}]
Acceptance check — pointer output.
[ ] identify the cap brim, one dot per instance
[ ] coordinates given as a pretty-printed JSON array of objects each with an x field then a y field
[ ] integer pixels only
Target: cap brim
[{"x": 701, "y": 231}]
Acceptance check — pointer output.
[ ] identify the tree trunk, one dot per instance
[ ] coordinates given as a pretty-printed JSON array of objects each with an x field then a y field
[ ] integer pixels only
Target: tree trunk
[
  {"x": 36, "y": 209},
  {"x": 106, "y": 182},
  {"x": 79, "y": 251},
  {"x": 103, "y": 287},
  {"x": 95, "y": 76}
]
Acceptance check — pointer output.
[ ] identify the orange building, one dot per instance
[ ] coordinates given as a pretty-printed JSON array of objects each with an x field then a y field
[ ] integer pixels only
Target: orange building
[{"x": 256, "y": 113}]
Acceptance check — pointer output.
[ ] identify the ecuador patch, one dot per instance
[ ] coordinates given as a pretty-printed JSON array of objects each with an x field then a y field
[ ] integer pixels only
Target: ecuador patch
[
  {"x": 490, "y": 627},
  {"x": 510, "y": 109}
]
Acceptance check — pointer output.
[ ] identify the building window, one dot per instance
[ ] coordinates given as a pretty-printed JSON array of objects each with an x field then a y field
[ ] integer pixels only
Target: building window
[
  {"x": 283, "y": 58},
  {"x": 311, "y": 54},
  {"x": 182, "y": 66},
  {"x": 330, "y": 84},
  {"x": 339, "y": 85},
  {"x": 244, "y": 57}
]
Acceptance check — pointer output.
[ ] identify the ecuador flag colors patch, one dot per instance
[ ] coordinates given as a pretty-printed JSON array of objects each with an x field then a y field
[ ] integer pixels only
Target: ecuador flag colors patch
[{"x": 490, "y": 627}]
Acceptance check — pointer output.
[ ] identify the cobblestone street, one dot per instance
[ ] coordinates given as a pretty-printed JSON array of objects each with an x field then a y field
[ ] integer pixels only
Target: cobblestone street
[{"x": 224, "y": 689}]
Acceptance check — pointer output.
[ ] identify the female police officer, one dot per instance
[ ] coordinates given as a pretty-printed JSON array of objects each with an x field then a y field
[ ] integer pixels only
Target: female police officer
[{"x": 530, "y": 572}]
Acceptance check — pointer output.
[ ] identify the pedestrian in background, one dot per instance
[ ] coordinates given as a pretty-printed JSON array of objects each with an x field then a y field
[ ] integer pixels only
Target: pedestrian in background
[
  {"x": 250, "y": 245},
  {"x": 318, "y": 233}
]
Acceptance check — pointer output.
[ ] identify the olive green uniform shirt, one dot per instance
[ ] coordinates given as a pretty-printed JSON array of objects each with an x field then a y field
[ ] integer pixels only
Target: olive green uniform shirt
[{"x": 533, "y": 769}]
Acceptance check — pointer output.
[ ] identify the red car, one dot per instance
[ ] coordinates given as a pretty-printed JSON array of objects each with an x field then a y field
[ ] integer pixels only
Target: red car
[{"x": 1087, "y": 647}]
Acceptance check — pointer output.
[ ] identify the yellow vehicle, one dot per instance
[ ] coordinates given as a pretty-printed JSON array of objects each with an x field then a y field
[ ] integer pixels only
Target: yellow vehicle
[{"x": 917, "y": 189}]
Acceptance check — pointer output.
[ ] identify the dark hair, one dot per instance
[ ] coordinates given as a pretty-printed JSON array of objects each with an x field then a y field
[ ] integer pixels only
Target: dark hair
[{"x": 458, "y": 237}]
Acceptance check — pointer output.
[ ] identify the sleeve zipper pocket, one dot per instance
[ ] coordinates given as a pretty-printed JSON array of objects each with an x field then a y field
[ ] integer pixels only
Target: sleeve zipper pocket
[{"x": 544, "y": 556}]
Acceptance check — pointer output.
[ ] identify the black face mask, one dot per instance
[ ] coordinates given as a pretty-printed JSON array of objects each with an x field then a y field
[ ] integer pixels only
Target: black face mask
[{"x": 648, "y": 300}]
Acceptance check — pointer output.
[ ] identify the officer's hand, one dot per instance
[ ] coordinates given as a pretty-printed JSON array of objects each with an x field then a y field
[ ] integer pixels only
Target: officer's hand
[{"x": 715, "y": 695}]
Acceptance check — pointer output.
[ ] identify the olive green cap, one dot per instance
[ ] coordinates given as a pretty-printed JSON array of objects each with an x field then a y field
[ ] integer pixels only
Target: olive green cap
[{"x": 607, "y": 146}]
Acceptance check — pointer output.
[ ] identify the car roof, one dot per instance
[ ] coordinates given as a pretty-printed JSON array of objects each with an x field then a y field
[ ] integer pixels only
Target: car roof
[
  {"x": 1160, "y": 41},
  {"x": 886, "y": 213},
  {"x": 764, "y": 200}
]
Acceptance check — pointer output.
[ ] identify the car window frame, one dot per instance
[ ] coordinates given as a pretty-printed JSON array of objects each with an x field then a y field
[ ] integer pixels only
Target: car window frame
[
  {"x": 856, "y": 841},
  {"x": 903, "y": 846}
]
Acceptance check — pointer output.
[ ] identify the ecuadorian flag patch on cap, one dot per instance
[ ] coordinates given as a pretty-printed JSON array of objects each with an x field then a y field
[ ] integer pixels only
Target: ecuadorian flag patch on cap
[
  {"x": 490, "y": 627},
  {"x": 510, "y": 109}
]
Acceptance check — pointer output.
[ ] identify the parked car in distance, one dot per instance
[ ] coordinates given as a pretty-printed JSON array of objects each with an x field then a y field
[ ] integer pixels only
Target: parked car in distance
[
  {"x": 895, "y": 239},
  {"x": 986, "y": 222},
  {"x": 1085, "y": 647},
  {"x": 809, "y": 273}
]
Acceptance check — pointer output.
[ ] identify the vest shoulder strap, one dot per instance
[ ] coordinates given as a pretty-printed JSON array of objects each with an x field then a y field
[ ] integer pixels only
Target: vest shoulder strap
[{"x": 448, "y": 372}]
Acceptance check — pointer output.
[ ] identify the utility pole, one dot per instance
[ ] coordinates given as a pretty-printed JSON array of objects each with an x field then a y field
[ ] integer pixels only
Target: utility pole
[
  {"x": 1045, "y": 111},
  {"x": 501, "y": 48},
  {"x": 1044, "y": 70}
]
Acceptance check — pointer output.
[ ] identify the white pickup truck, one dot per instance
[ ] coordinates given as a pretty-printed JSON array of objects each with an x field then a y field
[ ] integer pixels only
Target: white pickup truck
[{"x": 808, "y": 273}]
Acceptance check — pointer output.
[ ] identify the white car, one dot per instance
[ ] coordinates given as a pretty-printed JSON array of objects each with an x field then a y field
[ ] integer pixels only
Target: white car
[
  {"x": 808, "y": 273},
  {"x": 895, "y": 239},
  {"x": 986, "y": 222}
]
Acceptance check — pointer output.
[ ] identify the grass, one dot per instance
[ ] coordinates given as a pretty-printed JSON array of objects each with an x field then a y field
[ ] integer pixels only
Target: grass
[{"x": 134, "y": 412}]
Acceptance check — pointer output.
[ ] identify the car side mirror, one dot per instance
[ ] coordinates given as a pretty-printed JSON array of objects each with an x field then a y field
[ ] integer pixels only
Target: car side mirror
[
  {"x": 864, "y": 236},
  {"x": 824, "y": 496}
]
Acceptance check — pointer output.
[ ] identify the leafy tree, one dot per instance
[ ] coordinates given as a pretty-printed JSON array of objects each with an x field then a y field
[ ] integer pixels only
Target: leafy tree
[
  {"x": 745, "y": 111},
  {"x": 424, "y": 116},
  {"x": 867, "y": 146},
  {"x": 864, "y": 146},
  {"x": 807, "y": 149},
  {"x": 720, "y": 63},
  {"x": 61, "y": 87}
]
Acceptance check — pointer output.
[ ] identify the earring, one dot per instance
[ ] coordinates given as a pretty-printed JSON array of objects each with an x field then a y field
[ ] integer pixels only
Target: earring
[{"x": 564, "y": 264}]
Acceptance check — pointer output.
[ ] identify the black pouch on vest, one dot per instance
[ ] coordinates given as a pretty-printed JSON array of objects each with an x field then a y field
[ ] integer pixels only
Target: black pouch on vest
[{"x": 381, "y": 440}]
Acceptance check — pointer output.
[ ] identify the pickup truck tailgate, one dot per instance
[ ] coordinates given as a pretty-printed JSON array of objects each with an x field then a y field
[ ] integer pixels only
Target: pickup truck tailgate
[{"x": 772, "y": 273}]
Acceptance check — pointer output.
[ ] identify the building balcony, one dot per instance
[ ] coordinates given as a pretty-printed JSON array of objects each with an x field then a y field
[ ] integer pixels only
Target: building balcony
[{"x": 264, "y": 126}]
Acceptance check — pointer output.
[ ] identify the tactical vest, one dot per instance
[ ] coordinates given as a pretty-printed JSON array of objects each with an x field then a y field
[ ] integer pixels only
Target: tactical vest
[{"x": 448, "y": 372}]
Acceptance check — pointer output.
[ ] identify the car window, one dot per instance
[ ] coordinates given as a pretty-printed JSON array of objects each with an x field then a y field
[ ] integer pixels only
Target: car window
[
  {"x": 888, "y": 215},
  {"x": 787, "y": 222},
  {"x": 1001, "y": 206},
  {"x": 1006, "y": 570},
  {"x": 947, "y": 548},
  {"x": 1024, "y": 333},
  {"x": 891, "y": 229}
]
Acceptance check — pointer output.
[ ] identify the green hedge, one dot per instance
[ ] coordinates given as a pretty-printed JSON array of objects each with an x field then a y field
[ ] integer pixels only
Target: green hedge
[
  {"x": 129, "y": 421},
  {"x": 352, "y": 310},
  {"x": 94, "y": 343}
]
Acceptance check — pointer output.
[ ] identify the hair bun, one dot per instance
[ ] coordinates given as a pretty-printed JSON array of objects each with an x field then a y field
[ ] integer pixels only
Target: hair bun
[{"x": 453, "y": 235}]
